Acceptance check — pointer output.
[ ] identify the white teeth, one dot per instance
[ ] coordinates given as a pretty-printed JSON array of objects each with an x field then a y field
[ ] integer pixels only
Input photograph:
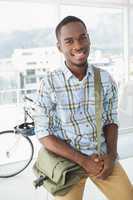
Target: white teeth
[{"x": 79, "y": 55}]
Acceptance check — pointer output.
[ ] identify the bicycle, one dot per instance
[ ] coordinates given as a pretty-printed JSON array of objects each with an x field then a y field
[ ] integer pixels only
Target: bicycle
[{"x": 16, "y": 148}]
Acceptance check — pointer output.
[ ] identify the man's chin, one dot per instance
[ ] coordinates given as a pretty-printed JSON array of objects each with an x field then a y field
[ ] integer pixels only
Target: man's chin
[{"x": 81, "y": 64}]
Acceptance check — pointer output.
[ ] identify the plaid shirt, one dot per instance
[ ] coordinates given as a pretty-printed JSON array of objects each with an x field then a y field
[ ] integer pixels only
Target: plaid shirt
[{"x": 65, "y": 108}]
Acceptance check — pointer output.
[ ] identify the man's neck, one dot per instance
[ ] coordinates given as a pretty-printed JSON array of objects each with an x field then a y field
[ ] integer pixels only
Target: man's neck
[{"x": 79, "y": 72}]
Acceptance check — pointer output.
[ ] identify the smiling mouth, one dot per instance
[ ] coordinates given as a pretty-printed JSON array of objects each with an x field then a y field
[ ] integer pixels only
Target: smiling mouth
[{"x": 79, "y": 55}]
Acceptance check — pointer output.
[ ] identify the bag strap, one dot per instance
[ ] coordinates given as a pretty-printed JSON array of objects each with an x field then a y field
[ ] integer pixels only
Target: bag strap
[{"x": 98, "y": 106}]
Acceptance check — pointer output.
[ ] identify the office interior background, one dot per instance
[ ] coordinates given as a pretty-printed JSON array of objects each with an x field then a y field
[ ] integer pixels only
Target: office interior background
[{"x": 28, "y": 48}]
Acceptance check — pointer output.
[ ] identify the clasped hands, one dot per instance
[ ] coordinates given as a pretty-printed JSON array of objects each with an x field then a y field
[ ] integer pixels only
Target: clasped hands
[{"x": 100, "y": 166}]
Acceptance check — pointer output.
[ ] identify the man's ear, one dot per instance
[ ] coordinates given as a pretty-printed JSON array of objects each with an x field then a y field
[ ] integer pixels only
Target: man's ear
[
  {"x": 59, "y": 46},
  {"x": 88, "y": 38}
]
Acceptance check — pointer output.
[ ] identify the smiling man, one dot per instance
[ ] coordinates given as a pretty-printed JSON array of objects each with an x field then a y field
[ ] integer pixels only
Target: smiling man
[
  {"x": 65, "y": 120},
  {"x": 74, "y": 43}
]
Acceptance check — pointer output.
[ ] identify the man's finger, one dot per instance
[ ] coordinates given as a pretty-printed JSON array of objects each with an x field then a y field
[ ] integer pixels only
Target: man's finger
[
  {"x": 101, "y": 174},
  {"x": 96, "y": 160}
]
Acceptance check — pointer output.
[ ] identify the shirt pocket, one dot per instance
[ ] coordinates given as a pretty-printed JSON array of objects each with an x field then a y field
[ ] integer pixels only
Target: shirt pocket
[{"x": 66, "y": 108}]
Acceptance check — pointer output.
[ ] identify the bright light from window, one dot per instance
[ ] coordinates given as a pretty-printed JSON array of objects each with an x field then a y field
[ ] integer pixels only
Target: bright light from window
[
  {"x": 88, "y": 14},
  {"x": 25, "y": 16}
]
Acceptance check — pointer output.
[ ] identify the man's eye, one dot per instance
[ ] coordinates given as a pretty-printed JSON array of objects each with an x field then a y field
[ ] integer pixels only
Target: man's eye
[
  {"x": 69, "y": 41},
  {"x": 83, "y": 37}
]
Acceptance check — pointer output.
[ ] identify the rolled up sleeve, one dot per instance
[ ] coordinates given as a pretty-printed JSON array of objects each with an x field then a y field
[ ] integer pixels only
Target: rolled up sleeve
[
  {"x": 44, "y": 110},
  {"x": 110, "y": 103}
]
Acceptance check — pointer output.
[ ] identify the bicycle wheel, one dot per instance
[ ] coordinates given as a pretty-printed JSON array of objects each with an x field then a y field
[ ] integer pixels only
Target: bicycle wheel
[{"x": 16, "y": 153}]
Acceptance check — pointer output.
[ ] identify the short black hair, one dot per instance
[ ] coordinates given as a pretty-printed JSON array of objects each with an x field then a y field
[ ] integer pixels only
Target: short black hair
[{"x": 65, "y": 21}]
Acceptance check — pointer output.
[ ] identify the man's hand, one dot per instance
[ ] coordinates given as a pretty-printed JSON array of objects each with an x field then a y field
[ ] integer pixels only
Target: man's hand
[
  {"x": 93, "y": 165},
  {"x": 107, "y": 168}
]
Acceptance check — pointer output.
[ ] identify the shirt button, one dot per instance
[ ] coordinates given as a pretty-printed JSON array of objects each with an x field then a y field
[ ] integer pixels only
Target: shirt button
[
  {"x": 78, "y": 146},
  {"x": 87, "y": 125},
  {"x": 80, "y": 113}
]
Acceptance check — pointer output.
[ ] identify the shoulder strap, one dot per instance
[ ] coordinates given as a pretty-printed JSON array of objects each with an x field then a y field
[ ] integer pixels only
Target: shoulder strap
[{"x": 98, "y": 106}]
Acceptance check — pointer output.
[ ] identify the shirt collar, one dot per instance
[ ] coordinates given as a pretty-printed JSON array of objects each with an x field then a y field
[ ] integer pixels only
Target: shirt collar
[
  {"x": 66, "y": 71},
  {"x": 68, "y": 74},
  {"x": 90, "y": 70}
]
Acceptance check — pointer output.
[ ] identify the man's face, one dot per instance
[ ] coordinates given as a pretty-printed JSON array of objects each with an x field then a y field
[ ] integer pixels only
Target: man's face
[{"x": 74, "y": 43}]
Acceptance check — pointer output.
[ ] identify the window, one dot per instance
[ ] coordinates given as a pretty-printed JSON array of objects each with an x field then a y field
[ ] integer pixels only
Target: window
[
  {"x": 126, "y": 100},
  {"x": 24, "y": 33},
  {"x": 131, "y": 44},
  {"x": 26, "y": 29},
  {"x": 30, "y": 76}
]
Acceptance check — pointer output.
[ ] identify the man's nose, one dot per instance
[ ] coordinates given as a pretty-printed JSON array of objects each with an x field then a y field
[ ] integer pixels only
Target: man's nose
[{"x": 77, "y": 45}]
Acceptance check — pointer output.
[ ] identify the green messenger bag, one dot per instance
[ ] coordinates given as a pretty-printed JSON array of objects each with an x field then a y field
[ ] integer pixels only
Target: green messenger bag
[{"x": 56, "y": 174}]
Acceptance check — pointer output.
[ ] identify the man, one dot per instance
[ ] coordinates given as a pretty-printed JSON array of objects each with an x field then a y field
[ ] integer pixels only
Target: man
[{"x": 65, "y": 119}]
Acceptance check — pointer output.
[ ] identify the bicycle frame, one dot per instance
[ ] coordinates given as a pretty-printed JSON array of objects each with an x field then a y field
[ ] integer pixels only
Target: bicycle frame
[{"x": 26, "y": 128}]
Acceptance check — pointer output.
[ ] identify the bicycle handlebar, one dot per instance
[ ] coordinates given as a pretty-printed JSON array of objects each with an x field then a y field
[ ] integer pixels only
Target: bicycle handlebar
[{"x": 27, "y": 98}]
